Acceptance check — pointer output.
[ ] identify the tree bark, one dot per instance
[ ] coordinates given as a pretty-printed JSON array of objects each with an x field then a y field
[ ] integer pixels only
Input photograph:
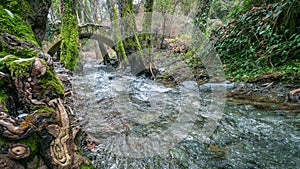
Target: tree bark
[
  {"x": 110, "y": 10},
  {"x": 147, "y": 23},
  {"x": 69, "y": 33},
  {"x": 36, "y": 19},
  {"x": 35, "y": 126},
  {"x": 130, "y": 35},
  {"x": 120, "y": 50}
]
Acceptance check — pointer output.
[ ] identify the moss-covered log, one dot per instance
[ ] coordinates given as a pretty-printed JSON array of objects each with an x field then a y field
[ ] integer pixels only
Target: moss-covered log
[{"x": 35, "y": 126}]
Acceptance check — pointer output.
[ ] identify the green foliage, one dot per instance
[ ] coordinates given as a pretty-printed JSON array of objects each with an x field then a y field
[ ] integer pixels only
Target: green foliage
[
  {"x": 257, "y": 43},
  {"x": 164, "y": 6},
  {"x": 70, "y": 39},
  {"x": 238, "y": 8},
  {"x": 247, "y": 4},
  {"x": 52, "y": 29},
  {"x": 202, "y": 14}
]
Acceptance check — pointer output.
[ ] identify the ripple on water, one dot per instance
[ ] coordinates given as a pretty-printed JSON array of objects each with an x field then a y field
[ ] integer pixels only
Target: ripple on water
[{"x": 142, "y": 124}]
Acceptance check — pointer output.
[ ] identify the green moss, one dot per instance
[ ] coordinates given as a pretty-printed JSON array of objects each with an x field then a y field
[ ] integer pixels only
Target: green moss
[
  {"x": 16, "y": 65},
  {"x": 3, "y": 96},
  {"x": 33, "y": 142},
  {"x": 127, "y": 14},
  {"x": 51, "y": 83},
  {"x": 119, "y": 47},
  {"x": 84, "y": 166},
  {"x": 70, "y": 39},
  {"x": 14, "y": 25},
  {"x": 42, "y": 109},
  {"x": 24, "y": 53},
  {"x": 20, "y": 7},
  {"x": 38, "y": 163}
]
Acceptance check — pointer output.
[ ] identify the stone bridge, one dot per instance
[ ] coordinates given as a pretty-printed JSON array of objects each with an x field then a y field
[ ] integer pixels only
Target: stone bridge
[{"x": 103, "y": 34}]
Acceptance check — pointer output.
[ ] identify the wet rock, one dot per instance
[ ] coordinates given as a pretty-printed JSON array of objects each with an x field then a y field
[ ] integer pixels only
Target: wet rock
[
  {"x": 190, "y": 85},
  {"x": 267, "y": 96}
]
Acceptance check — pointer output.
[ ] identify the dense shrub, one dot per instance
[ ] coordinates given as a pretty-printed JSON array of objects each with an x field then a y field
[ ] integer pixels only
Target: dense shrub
[{"x": 262, "y": 40}]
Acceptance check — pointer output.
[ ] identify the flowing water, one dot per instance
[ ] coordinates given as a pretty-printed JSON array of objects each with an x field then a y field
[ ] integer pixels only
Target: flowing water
[{"x": 139, "y": 123}]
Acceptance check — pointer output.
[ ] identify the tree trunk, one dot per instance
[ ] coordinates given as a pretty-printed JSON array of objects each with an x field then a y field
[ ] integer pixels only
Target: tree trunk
[
  {"x": 82, "y": 13},
  {"x": 35, "y": 126},
  {"x": 128, "y": 27},
  {"x": 36, "y": 19},
  {"x": 110, "y": 10},
  {"x": 130, "y": 36},
  {"x": 120, "y": 50},
  {"x": 147, "y": 37},
  {"x": 61, "y": 8},
  {"x": 94, "y": 8},
  {"x": 69, "y": 33}
]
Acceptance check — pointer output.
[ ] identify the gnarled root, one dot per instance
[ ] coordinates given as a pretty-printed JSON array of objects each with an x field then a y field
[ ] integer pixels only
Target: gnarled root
[
  {"x": 59, "y": 146},
  {"x": 294, "y": 91},
  {"x": 11, "y": 128}
]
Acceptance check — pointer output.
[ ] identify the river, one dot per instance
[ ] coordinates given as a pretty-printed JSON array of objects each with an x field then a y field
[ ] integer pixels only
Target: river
[{"x": 140, "y": 123}]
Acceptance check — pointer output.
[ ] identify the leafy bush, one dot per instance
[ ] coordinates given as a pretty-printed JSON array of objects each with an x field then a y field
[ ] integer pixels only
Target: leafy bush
[{"x": 262, "y": 40}]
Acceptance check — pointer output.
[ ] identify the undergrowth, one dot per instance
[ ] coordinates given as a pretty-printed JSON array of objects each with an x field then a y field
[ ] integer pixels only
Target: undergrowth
[{"x": 262, "y": 43}]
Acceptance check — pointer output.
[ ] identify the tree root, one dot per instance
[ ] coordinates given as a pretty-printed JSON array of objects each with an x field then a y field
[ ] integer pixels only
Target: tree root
[{"x": 294, "y": 91}]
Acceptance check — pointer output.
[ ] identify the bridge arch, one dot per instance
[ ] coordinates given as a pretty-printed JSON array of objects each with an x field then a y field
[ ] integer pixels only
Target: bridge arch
[{"x": 102, "y": 34}]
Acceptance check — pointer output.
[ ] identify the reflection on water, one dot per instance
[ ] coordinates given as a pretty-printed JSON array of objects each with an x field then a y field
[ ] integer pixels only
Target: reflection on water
[{"x": 142, "y": 124}]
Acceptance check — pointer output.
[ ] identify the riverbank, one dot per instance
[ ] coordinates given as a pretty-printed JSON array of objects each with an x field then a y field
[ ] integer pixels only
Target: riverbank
[{"x": 267, "y": 96}]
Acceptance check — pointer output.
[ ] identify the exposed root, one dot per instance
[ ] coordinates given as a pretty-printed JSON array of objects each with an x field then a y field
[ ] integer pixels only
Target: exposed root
[{"x": 294, "y": 91}]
